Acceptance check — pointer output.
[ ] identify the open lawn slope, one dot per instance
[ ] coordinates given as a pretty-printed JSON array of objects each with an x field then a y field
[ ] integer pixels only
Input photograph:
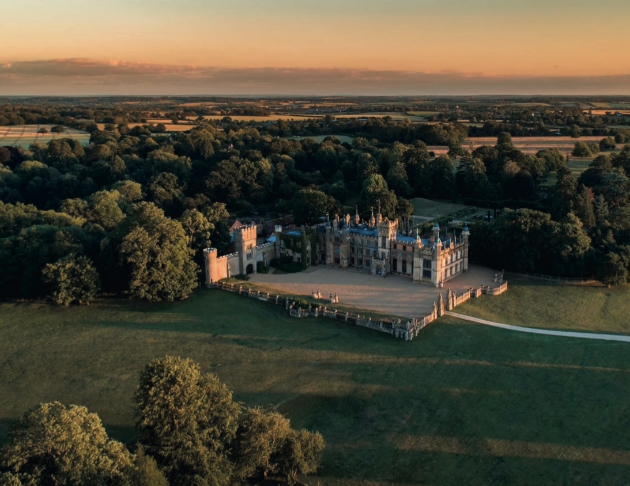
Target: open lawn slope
[
  {"x": 535, "y": 303},
  {"x": 462, "y": 404}
]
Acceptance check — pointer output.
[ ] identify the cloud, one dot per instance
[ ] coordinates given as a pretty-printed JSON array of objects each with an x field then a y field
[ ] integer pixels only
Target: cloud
[{"x": 87, "y": 76}]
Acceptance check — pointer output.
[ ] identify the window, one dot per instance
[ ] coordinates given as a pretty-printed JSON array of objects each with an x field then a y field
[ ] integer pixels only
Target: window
[
  {"x": 426, "y": 274},
  {"x": 426, "y": 263},
  {"x": 404, "y": 266},
  {"x": 336, "y": 261},
  {"x": 383, "y": 241}
]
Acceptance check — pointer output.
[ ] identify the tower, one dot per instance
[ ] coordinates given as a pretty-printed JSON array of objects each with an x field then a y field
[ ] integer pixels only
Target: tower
[
  {"x": 436, "y": 274},
  {"x": 466, "y": 236},
  {"x": 245, "y": 243},
  {"x": 386, "y": 234},
  {"x": 210, "y": 264}
]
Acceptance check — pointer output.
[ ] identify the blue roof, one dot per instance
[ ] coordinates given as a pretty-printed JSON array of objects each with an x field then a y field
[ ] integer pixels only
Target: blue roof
[
  {"x": 294, "y": 232},
  {"x": 405, "y": 239},
  {"x": 271, "y": 239},
  {"x": 363, "y": 231}
]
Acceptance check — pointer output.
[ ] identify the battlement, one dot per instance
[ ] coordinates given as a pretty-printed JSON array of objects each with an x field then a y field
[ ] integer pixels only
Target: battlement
[
  {"x": 246, "y": 232},
  {"x": 229, "y": 255},
  {"x": 209, "y": 250},
  {"x": 265, "y": 245}
]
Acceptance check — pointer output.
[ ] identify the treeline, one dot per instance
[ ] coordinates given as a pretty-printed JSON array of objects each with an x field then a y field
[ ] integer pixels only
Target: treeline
[
  {"x": 190, "y": 432},
  {"x": 131, "y": 213},
  {"x": 584, "y": 230}
]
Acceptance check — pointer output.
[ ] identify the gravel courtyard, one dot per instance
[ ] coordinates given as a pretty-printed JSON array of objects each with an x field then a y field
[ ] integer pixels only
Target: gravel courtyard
[{"x": 391, "y": 295}]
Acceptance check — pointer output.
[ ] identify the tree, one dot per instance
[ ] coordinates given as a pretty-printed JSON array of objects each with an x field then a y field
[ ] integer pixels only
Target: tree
[
  {"x": 157, "y": 255},
  {"x": 612, "y": 270},
  {"x": 186, "y": 421},
  {"x": 375, "y": 193},
  {"x": 197, "y": 227},
  {"x": 259, "y": 439},
  {"x": 56, "y": 445},
  {"x": 607, "y": 143},
  {"x": 301, "y": 453},
  {"x": 146, "y": 472},
  {"x": 309, "y": 205},
  {"x": 72, "y": 279},
  {"x": 105, "y": 209},
  {"x": 581, "y": 149}
]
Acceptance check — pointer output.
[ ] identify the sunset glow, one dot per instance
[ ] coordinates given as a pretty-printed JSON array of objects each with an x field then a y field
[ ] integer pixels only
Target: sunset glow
[{"x": 244, "y": 46}]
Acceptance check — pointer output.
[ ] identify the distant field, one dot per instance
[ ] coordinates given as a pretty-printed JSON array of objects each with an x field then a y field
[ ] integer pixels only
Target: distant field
[
  {"x": 320, "y": 138},
  {"x": 534, "y": 144},
  {"x": 170, "y": 127},
  {"x": 273, "y": 117},
  {"x": 610, "y": 110},
  {"x": 25, "y": 135},
  {"x": 460, "y": 405}
]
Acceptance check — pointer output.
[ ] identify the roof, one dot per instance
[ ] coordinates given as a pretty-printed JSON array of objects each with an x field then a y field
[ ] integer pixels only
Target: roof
[
  {"x": 363, "y": 231},
  {"x": 295, "y": 232},
  {"x": 405, "y": 239}
]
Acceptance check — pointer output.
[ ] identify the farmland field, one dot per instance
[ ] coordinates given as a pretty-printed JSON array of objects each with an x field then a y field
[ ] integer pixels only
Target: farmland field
[
  {"x": 531, "y": 145},
  {"x": 26, "y": 135},
  {"x": 260, "y": 118},
  {"x": 461, "y": 404}
]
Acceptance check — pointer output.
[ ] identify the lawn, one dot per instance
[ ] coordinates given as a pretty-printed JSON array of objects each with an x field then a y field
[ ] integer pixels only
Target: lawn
[
  {"x": 462, "y": 404},
  {"x": 535, "y": 303},
  {"x": 437, "y": 209}
]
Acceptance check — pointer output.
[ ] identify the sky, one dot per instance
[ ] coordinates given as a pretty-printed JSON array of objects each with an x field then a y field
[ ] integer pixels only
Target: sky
[{"x": 314, "y": 47}]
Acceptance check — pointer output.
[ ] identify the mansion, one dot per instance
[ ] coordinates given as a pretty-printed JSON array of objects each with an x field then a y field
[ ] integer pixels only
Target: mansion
[{"x": 375, "y": 246}]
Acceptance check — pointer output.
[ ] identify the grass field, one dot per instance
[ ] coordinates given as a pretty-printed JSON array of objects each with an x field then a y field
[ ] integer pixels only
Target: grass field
[
  {"x": 25, "y": 135},
  {"x": 462, "y": 404},
  {"x": 535, "y": 303},
  {"x": 436, "y": 209}
]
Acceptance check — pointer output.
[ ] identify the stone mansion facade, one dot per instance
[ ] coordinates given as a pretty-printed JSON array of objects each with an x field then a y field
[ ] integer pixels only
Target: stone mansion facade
[{"x": 376, "y": 247}]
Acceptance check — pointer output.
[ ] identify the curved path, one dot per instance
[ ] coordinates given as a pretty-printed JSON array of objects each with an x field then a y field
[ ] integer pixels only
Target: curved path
[{"x": 531, "y": 330}]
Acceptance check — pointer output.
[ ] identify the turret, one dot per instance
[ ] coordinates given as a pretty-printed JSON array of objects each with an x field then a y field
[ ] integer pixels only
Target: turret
[
  {"x": 211, "y": 266},
  {"x": 466, "y": 235}
]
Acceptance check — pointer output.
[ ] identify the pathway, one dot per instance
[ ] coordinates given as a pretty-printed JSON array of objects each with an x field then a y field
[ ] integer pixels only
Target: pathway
[{"x": 581, "y": 335}]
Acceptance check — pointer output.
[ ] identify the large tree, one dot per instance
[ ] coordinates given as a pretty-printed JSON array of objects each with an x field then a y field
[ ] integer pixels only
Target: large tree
[
  {"x": 156, "y": 251},
  {"x": 55, "y": 445},
  {"x": 187, "y": 420},
  {"x": 309, "y": 205},
  {"x": 72, "y": 279}
]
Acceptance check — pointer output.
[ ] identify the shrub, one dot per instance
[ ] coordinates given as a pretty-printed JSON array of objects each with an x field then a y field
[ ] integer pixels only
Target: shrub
[{"x": 262, "y": 268}]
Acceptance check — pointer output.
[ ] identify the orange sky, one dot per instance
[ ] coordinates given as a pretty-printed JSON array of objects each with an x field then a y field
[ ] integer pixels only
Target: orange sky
[{"x": 482, "y": 40}]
